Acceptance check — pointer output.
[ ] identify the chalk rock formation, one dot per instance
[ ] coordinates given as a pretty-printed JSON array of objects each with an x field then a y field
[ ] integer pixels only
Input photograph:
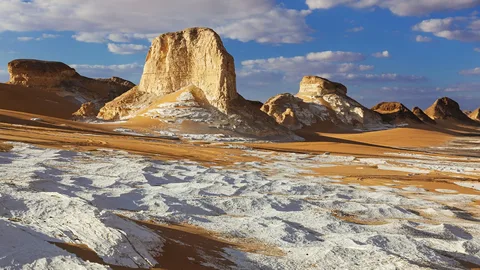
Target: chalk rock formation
[
  {"x": 446, "y": 108},
  {"x": 87, "y": 110},
  {"x": 195, "y": 56},
  {"x": 396, "y": 113},
  {"x": 423, "y": 116},
  {"x": 293, "y": 113},
  {"x": 475, "y": 115},
  {"x": 321, "y": 102},
  {"x": 314, "y": 86},
  {"x": 36, "y": 73},
  {"x": 63, "y": 80},
  {"x": 191, "y": 63}
]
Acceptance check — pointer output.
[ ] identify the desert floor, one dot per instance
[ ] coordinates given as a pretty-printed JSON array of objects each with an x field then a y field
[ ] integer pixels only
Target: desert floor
[{"x": 106, "y": 195}]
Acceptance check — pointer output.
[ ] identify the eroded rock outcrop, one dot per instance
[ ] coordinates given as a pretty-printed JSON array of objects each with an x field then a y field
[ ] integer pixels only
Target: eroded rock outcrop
[
  {"x": 321, "y": 102},
  {"x": 87, "y": 110},
  {"x": 446, "y": 108},
  {"x": 194, "y": 56},
  {"x": 63, "y": 80},
  {"x": 423, "y": 116},
  {"x": 475, "y": 115},
  {"x": 313, "y": 86},
  {"x": 190, "y": 77},
  {"x": 293, "y": 113},
  {"x": 396, "y": 113}
]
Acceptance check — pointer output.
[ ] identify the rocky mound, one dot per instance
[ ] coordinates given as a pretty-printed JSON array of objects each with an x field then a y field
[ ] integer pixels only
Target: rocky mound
[
  {"x": 475, "y": 115},
  {"x": 314, "y": 86},
  {"x": 63, "y": 80},
  {"x": 396, "y": 113},
  {"x": 321, "y": 102},
  {"x": 187, "y": 72},
  {"x": 295, "y": 114},
  {"x": 446, "y": 108},
  {"x": 423, "y": 116},
  {"x": 87, "y": 110}
]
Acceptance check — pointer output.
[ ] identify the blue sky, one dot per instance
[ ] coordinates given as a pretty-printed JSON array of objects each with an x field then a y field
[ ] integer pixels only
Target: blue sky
[{"x": 412, "y": 51}]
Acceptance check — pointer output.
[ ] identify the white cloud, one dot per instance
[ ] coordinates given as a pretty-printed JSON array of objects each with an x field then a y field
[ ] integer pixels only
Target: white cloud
[
  {"x": 46, "y": 36},
  {"x": 94, "y": 21},
  {"x": 103, "y": 71},
  {"x": 384, "y": 54},
  {"x": 25, "y": 38},
  {"x": 476, "y": 49},
  {"x": 398, "y": 7},
  {"x": 453, "y": 28},
  {"x": 421, "y": 38},
  {"x": 42, "y": 37},
  {"x": 474, "y": 71},
  {"x": 126, "y": 48},
  {"x": 276, "y": 26},
  {"x": 384, "y": 77},
  {"x": 335, "y": 56},
  {"x": 356, "y": 29},
  {"x": 90, "y": 37},
  {"x": 325, "y": 64}
]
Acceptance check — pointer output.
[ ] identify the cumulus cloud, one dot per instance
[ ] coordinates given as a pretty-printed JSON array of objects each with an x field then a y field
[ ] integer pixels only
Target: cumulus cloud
[
  {"x": 294, "y": 68},
  {"x": 94, "y": 21},
  {"x": 90, "y": 37},
  {"x": 335, "y": 56},
  {"x": 130, "y": 71},
  {"x": 384, "y": 77},
  {"x": 461, "y": 87},
  {"x": 453, "y": 28},
  {"x": 327, "y": 64},
  {"x": 276, "y": 26},
  {"x": 474, "y": 71},
  {"x": 103, "y": 37},
  {"x": 421, "y": 38},
  {"x": 384, "y": 54},
  {"x": 401, "y": 8},
  {"x": 126, "y": 48}
]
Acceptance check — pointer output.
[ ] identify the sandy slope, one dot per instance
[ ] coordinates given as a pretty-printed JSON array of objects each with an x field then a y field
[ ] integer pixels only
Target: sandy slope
[{"x": 36, "y": 101}]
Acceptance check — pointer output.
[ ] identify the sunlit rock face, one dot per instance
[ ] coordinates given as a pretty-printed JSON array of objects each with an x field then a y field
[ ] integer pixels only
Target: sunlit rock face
[
  {"x": 446, "y": 108},
  {"x": 194, "y": 56},
  {"x": 475, "y": 115},
  {"x": 321, "y": 104},
  {"x": 317, "y": 86},
  {"x": 192, "y": 62},
  {"x": 56, "y": 77}
]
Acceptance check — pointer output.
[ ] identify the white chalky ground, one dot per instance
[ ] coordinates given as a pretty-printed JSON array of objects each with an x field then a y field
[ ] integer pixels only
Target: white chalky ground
[{"x": 49, "y": 195}]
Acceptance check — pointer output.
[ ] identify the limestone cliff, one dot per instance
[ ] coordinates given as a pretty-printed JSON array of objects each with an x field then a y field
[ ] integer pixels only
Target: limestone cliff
[
  {"x": 194, "y": 56},
  {"x": 59, "y": 78},
  {"x": 321, "y": 102},
  {"x": 190, "y": 77}
]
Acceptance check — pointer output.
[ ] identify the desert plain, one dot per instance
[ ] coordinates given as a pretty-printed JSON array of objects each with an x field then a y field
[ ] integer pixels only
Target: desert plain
[{"x": 181, "y": 172}]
